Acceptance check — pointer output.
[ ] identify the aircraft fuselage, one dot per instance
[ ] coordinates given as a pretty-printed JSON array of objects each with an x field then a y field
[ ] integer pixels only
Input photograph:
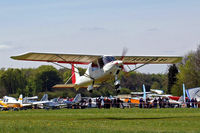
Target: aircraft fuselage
[{"x": 99, "y": 74}]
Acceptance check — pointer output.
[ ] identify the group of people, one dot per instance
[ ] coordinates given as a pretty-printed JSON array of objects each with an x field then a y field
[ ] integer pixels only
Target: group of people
[
  {"x": 164, "y": 103},
  {"x": 156, "y": 103},
  {"x": 191, "y": 103},
  {"x": 161, "y": 102},
  {"x": 106, "y": 103}
]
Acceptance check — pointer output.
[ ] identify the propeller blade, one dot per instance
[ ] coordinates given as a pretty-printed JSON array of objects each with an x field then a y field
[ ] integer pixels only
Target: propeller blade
[{"x": 125, "y": 50}]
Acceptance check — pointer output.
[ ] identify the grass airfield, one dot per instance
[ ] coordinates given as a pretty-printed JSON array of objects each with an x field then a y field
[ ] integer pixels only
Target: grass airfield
[{"x": 101, "y": 120}]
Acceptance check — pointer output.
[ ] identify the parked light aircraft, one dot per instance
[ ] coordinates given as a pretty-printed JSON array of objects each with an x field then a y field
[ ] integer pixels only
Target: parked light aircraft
[
  {"x": 100, "y": 68},
  {"x": 43, "y": 100},
  {"x": 11, "y": 102},
  {"x": 59, "y": 103},
  {"x": 77, "y": 99}
]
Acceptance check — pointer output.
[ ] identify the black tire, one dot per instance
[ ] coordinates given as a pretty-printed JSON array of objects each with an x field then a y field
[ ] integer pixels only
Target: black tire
[
  {"x": 118, "y": 91},
  {"x": 117, "y": 86}
]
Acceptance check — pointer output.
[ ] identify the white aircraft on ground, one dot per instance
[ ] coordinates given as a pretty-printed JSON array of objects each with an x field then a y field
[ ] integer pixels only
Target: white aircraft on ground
[
  {"x": 11, "y": 102},
  {"x": 100, "y": 68},
  {"x": 43, "y": 100}
]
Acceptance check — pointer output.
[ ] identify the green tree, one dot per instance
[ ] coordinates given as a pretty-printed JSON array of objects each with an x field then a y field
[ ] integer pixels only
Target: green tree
[
  {"x": 173, "y": 71},
  {"x": 13, "y": 81},
  {"x": 46, "y": 76},
  {"x": 189, "y": 72},
  {"x": 155, "y": 85},
  {"x": 125, "y": 91}
]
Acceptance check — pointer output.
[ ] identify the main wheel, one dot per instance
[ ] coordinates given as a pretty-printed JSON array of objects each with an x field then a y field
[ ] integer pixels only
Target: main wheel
[{"x": 117, "y": 86}]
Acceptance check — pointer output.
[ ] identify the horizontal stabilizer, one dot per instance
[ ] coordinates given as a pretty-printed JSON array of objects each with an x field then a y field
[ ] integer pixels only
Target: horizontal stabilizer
[
  {"x": 64, "y": 86},
  {"x": 71, "y": 86}
]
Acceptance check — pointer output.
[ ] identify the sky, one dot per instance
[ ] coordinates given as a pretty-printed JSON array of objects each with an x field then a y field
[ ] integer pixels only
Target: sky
[{"x": 102, "y": 27}]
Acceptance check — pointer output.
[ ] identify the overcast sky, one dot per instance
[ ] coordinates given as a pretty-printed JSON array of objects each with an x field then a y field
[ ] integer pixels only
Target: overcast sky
[{"x": 145, "y": 27}]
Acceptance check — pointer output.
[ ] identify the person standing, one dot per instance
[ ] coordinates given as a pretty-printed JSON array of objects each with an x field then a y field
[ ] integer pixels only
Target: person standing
[
  {"x": 90, "y": 103},
  {"x": 118, "y": 103},
  {"x": 160, "y": 102},
  {"x": 192, "y": 101},
  {"x": 195, "y": 103},
  {"x": 147, "y": 102},
  {"x": 141, "y": 102},
  {"x": 188, "y": 102},
  {"x": 155, "y": 103}
]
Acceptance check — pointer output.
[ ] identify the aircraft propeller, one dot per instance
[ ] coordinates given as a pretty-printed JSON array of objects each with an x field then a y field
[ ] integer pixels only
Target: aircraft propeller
[{"x": 125, "y": 50}]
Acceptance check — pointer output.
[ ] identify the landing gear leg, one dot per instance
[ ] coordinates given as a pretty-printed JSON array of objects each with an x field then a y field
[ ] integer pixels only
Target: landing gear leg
[
  {"x": 117, "y": 85},
  {"x": 90, "y": 87}
]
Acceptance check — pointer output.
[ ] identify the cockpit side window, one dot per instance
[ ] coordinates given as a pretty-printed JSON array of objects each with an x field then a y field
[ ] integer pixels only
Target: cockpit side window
[
  {"x": 94, "y": 66},
  {"x": 107, "y": 59}
]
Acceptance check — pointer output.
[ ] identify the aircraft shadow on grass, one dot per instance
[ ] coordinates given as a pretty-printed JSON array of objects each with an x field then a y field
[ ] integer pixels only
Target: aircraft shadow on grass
[{"x": 153, "y": 118}]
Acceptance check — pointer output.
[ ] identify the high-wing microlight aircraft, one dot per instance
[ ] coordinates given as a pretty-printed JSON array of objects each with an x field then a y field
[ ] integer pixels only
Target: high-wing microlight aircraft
[{"x": 100, "y": 68}]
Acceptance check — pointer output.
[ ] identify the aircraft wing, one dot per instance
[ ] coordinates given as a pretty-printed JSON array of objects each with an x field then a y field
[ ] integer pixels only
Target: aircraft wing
[
  {"x": 26, "y": 104},
  {"x": 39, "y": 102},
  {"x": 86, "y": 59},
  {"x": 59, "y": 58},
  {"x": 131, "y": 60}
]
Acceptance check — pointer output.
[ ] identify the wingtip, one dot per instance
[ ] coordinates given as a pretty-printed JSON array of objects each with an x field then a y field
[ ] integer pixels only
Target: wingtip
[
  {"x": 21, "y": 57},
  {"x": 13, "y": 57}
]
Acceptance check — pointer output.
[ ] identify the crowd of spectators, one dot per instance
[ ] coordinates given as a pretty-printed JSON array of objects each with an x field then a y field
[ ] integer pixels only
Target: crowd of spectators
[
  {"x": 156, "y": 103},
  {"x": 165, "y": 103},
  {"x": 161, "y": 102},
  {"x": 106, "y": 103},
  {"x": 192, "y": 103}
]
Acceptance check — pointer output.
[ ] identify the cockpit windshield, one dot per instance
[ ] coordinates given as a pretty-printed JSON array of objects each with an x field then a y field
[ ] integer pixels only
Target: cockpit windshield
[{"x": 107, "y": 59}]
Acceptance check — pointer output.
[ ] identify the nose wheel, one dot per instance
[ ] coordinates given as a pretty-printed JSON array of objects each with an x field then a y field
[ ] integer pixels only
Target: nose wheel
[
  {"x": 90, "y": 87},
  {"x": 118, "y": 88}
]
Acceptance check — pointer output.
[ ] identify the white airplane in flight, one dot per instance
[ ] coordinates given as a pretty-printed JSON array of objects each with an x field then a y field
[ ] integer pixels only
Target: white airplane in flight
[{"x": 100, "y": 68}]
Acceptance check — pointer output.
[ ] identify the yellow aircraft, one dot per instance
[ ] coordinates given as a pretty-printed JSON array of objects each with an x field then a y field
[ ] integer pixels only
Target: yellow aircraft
[{"x": 11, "y": 102}]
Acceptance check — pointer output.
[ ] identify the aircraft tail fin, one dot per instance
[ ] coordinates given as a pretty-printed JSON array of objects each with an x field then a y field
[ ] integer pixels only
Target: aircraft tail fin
[
  {"x": 144, "y": 91},
  {"x": 75, "y": 74},
  {"x": 25, "y": 100},
  {"x": 77, "y": 98},
  {"x": 184, "y": 93},
  {"x": 20, "y": 99},
  {"x": 45, "y": 97}
]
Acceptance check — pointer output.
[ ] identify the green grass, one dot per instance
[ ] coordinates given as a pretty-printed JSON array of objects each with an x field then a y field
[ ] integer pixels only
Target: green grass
[{"x": 101, "y": 120}]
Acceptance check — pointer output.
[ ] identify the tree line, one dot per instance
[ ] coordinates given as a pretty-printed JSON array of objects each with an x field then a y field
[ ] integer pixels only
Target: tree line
[
  {"x": 188, "y": 72},
  {"x": 37, "y": 81}
]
